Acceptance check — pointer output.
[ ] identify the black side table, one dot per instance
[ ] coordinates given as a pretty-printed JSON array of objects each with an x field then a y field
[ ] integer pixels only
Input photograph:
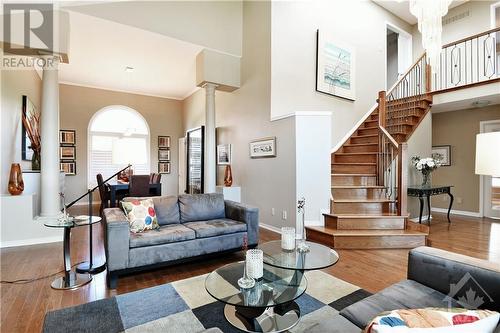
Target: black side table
[{"x": 427, "y": 191}]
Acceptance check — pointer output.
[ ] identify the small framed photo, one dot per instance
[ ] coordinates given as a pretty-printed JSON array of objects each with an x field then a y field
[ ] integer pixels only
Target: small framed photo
[
  {"x": 443, "y": 152},
  {"x": 69, "y": 168},
  {"x": 163, "y": 142},
  {"x": 163, "y": 154},
  {"x": 261, "y": 148},
  {"x": 67, "y": 137},
  {"x": 163, "y": 167},
  {"x": 224, "y": 154},
  {"x": 67, "y": 153}
]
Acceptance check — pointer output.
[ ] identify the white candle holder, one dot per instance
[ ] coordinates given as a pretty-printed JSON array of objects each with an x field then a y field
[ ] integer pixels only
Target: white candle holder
[
  {"x": 288, "y": 238},
  {"x": 255, "y": 264}
]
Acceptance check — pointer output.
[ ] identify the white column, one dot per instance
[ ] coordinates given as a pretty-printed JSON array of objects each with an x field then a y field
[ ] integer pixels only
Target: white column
[
  {"x": 210, "y": 149},
  {"x": 49, "y": 131}
]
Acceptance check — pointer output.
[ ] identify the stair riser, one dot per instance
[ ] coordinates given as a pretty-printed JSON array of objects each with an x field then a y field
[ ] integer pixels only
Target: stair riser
[
  {"x": 367, "y": 131},
  {"x": 353, "y": 168},
  {"x": 370, "y": 123},
  {"x": 412, "y": 120},
  {"x": 360, "y": 149},
  {"x": 361, "y": 207},
  {"x": 367, "y": 139},
  {"x": 378, "y": 242},
  {"x": 354, "y": 180},
  {"x": 355, "y": 193},
  {"x": 365, "y": 158},
  {"x": 370, "y": 223}
]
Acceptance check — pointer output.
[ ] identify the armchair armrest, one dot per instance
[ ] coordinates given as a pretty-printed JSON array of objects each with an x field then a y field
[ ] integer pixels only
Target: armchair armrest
[
  {"x": 440, "y": 269},
  {"x": 246, "y": 214},
  {"x": 117, "y": 238}
]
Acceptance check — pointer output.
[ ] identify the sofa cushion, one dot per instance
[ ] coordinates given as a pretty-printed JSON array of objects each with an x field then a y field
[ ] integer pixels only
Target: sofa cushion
[
  {"x": 166, "y": 207},
  {"x": 201, "y": 207},
  {"x": 165, "y": 234},
  {"x": 141, "y": 215},
  {"x": 216, "y": 227},
  {"x": 402, "y": 295}
]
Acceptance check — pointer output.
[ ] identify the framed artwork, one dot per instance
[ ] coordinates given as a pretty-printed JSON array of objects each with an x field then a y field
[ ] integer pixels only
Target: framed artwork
[
  {"x": 26, "y": 151},
  {"x": 67, "y": 137},
  {"x": 224, "y": 154},
  {"x": 163, "y": 141},
  {"x": 163, "y": 154},
  {"x": 163, "y": 167},
  {"x": 67, "y": 153},
  {"x": 261, "y": 148},
  {"x": 69, "y": 168},
  {"x": 335, "y": 67},
  {"x": 444, "y": 152}
]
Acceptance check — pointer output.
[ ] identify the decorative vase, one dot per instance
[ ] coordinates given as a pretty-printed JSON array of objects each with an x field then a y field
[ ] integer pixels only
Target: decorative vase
[
  {"x": 426, "y": 177},
  {"x": 35, "y": 161},
  {"x": 228, "y": 176},
  {"x": 288, "y": 238},
  {"x": 16, "y": 183}
]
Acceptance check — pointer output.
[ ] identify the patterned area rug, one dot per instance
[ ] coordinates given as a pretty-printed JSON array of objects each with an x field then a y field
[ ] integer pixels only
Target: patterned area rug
[{"x": 185, "y": 306}]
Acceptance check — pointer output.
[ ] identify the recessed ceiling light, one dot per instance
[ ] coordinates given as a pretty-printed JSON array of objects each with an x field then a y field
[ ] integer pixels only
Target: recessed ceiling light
[
  {"x": 129, "y": 69},
  {"x": 481, "y": 103}
]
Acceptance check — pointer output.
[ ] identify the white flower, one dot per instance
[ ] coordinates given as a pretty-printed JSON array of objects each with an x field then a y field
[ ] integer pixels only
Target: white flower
[
  {"x": 431, "y": 164},
  {"x": 419, "y": 166}
]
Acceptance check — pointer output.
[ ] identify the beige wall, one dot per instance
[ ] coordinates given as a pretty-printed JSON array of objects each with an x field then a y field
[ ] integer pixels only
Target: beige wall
[
  {"x": 79, "y": 104},
  {"x": 459, "y": 129},
  {"x": 15, "y": 84},
  {"x": 243, "y": 115}
]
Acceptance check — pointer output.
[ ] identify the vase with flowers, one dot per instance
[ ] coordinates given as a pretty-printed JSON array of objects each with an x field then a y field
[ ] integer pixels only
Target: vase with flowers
[
  {"x": 426, "y": 166},
  {"x": 31, "y": 122}
]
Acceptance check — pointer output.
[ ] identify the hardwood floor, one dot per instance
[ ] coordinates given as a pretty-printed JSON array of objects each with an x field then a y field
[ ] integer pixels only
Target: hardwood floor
[{"x": 23, "y": 306}]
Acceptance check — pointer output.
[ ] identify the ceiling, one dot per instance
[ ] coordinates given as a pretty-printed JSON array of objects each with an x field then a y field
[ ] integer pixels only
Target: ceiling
[
  {"x": 401, "y": 8},
  {"x": 101, "y": 49}
]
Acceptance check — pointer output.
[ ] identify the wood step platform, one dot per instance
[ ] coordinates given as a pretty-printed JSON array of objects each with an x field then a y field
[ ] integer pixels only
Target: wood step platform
[{"x": 365, "y": 221}]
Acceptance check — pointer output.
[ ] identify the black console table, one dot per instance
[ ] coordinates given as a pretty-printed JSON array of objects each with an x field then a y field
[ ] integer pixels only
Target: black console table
[{"x": 427, "y": 191}]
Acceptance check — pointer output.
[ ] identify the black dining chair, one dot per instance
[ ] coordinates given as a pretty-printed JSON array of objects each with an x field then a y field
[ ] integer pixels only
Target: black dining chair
[
  {"x": 139, "y": 186},
  {"x": 155, "y": 178},
  {"x": 103, "y": 193}
]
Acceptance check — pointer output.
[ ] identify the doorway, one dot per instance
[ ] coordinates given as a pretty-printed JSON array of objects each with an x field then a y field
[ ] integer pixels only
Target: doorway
[
  {"x": 398, "y": 50},
  {"x": 490, "y": 185}
]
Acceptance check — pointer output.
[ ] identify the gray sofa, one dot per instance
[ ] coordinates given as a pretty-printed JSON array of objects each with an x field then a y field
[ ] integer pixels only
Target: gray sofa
[{"x": 190, "y": 226}]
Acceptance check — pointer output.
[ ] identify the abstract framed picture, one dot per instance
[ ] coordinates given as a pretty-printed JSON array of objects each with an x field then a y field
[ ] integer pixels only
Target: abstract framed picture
[
  {"x": 444, "y": 152},
  {"x": 67, "y": 137},
  {"x": 335, "y": 67},
  {"x": 30, "y": 109},
  {"x": 163, "y": 141},
  {"x": 68, "y": 167},
  {"x": 67, "y": 153},
  {"x": 224, "y": 154},
  {"x": 163, "y": 167},
  {"x": 163, "y": 154},
  {"x": 261, "y": 148}
]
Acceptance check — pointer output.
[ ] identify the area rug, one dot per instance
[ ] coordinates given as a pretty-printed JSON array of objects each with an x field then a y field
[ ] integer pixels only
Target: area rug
[{"x": 185, "y": 306}]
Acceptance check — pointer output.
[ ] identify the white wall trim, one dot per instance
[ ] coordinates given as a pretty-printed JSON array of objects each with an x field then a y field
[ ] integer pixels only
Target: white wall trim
[
  {"x": 456, "y": 212},
  {"x": 401, "y": 31},
  {"x": 482, "y": 125},
  {"x": 353, "y": 129},
  {"x": 302, "y": 113},
  {"x": 424, "y": 218},
  {"x": 31, "y": 241},
  {"x": 492, "y": 14},
  {"x": 270, "y": 227}
]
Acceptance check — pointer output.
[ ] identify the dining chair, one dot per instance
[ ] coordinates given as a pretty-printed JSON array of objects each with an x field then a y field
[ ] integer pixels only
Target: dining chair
[
  {"x": 155, "y": 178},
  {"x": 139, "y": 186},
  {"x": 103, "y": 193}
]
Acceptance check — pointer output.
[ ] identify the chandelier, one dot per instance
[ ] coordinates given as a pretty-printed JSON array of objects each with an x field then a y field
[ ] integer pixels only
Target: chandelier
[{"x": 429, "y": 14}]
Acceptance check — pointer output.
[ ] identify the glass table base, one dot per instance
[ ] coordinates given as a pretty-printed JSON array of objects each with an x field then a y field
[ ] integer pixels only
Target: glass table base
[
  {"x": 75, "y": 281},
  {"x": 263, "y": 320}
]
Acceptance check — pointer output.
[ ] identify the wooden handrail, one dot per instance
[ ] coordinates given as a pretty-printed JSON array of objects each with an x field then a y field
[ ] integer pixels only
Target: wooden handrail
[
  {"x": 388, "y": 136},
  {"x": 487, "y": 32},
  {"x": 405, "y": 74}
]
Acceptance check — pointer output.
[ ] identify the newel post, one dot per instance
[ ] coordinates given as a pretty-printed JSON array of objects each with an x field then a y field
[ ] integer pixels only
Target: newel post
[
  {"x": 381, "y": 108},
  {"x": 403, "y": 178},
  {"x": 428, "y": 78}
]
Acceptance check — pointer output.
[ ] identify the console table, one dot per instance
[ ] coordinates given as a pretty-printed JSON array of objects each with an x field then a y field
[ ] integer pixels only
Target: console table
[{"x": 427, "y": 191}]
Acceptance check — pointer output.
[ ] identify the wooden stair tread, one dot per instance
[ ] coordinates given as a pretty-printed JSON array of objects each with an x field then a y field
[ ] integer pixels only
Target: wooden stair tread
[
  {"x": 354, "y": 174},
  {"x": 367, "y": 232},
  {"x": 354, "y": 163},
  {"x": 358, "y": 186},
  {"x": 366, "y": 216},
  {"x": 361, "y": 144},
  {"x": 365, "y": 136},
  {"x": 362, "y": 200},
  {"x": 357, "y": 154}
]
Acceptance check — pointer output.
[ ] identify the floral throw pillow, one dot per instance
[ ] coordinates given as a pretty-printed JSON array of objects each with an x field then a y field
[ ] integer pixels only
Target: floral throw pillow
[
  {"x": 453, "y": 320},
  {"x": 141, "y": 215}
]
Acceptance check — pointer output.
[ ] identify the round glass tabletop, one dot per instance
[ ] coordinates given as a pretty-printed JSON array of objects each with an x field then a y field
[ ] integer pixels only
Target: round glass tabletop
[
  {"x": 277, "y": 286},
  {"x": 73, "y": 221},
  {"x": 318, "y": 256}
]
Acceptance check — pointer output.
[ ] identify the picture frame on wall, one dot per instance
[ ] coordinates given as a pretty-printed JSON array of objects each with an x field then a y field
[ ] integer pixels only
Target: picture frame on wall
[
  {"x": 67, "y": 137},
  {"x": 68, "y": 167},
  {"x": 163, "y": 142},
  {"x": 445, "y": 152},
  {"x": 224, "y": 154},
  {"x": 163, "y": 154},
  {"x": 163, "y": 167},
  {"x": 335, "y": 67},
  {"x": 262, "y": 148},
  {"x": 67, "y": 153}
]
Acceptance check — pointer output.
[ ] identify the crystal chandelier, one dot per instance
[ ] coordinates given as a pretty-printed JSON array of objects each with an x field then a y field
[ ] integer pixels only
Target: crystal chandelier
[{"x": 429, "y": 14}]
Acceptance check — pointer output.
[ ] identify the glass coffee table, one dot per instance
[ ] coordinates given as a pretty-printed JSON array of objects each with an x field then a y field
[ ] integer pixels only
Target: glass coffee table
[{"x": 270, "y": 305}]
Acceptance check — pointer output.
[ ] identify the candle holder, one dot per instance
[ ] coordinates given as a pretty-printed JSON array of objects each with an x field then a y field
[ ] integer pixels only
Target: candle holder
[
  {"x": 245, "y": 282},
  {"x": 255, "y": 264},
  {"x": 302, "y": 245},
  {"x": 288, "y": 238}
]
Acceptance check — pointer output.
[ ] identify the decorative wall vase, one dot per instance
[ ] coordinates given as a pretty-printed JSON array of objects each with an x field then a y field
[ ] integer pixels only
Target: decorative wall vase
[
  {"x": 16, "y": 183},
  {"x": 228, "y": 176},
  {"x": 35, "y": 161}
]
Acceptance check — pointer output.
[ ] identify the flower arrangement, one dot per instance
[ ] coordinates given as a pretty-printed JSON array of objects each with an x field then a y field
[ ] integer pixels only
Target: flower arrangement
[
  {"x": 31, "y": 122},
  {"x": 426, "y": 165}
]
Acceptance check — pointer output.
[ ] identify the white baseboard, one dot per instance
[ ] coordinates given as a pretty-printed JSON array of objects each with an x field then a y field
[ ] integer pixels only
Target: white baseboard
[
  {"x": 270, "y": 227},
  {"x": 456, "y": 212},
  {"x": 31, "y": 241},
  {"x": 424, "y": 218}
]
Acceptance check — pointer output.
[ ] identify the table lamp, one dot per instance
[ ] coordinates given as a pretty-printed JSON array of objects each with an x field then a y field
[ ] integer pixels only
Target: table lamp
[
  {"x": 130, "y": 151},
  {"x": 487, "y": 154}
]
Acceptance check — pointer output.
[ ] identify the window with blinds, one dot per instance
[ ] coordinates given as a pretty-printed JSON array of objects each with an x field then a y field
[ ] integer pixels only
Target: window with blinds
[{"x": 117, "y": 136}]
